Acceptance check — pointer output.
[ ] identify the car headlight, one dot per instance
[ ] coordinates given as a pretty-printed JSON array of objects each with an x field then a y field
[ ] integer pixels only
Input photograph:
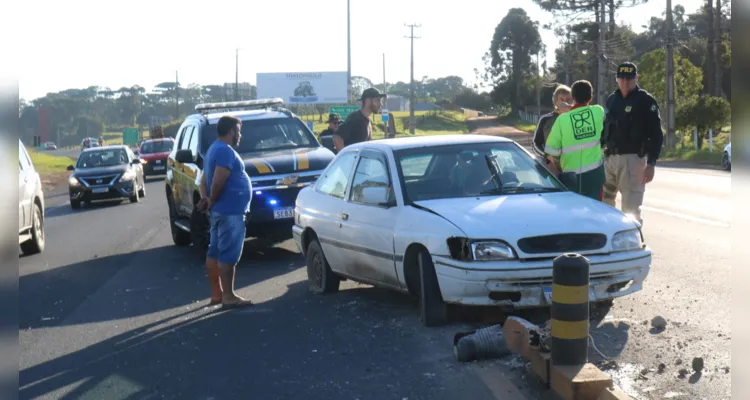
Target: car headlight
[
  {"x": 128, "y": 176},
  {"x": 72, "y": 181},
  {"x": 627, "y": 240},
  {"x": 492, "y": 250}
]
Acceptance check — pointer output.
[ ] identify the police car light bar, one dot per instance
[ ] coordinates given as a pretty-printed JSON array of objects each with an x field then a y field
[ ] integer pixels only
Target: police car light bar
[{"x": 239, "y": 105}]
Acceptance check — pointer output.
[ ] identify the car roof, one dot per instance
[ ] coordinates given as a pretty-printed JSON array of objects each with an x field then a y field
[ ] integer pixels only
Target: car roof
[
  {"x": 109, "y": 147},
  {"x": 412, "y": 142},
  {"x": 243, "y": 115},
  {"x": 157, "y": 139}
]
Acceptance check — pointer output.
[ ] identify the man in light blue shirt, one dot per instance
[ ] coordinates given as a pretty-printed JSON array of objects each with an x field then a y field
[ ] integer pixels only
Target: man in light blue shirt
[{"x": 226, "y": 193}]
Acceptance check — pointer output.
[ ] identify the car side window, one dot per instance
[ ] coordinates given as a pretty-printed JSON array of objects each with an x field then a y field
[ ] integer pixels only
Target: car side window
[
  {"x": 371, "y": 172},
  {"x": 182, "y": 137},
  {"x": 336, "y": 178},
  {"x": 23, "y": 158},
  {"x": 188, "y": 138},
  {"x": 193, "y": 144}
]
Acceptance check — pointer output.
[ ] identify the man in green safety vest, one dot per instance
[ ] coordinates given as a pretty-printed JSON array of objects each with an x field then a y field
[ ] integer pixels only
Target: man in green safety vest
[{"x": 575, "y": 144}]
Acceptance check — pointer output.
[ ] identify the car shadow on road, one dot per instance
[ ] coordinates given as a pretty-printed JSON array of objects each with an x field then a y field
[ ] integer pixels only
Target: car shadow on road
[
  {"x": 64, "y": 210},
  {"x": 154, "y": 178}
]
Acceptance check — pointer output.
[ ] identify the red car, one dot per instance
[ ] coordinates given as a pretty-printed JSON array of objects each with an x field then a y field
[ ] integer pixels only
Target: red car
[{"x": 154, "y": 153}]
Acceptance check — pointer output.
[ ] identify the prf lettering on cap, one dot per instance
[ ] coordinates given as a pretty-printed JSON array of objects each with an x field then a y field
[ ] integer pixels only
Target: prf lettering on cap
[{"x": 626, "y": 69}]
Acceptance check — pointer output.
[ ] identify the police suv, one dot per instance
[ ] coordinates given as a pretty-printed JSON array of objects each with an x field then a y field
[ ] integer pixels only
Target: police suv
[{"x": 281, "y": 156}]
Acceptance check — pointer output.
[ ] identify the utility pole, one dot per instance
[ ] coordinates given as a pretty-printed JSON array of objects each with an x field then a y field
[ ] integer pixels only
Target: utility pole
[
  {"x": 412, "y": 97},
  {"x": 385, "y": 88},
  {"x": 568, "y": 60},
  {"x": 538, "y": 87},
  {"x": 671, "y": 134},
  {"x": 177, "y": 95},
  {"x": 601, "y": 98},
  {"x": 236, "y": 74},
  {"x": 348, "y": 52}
]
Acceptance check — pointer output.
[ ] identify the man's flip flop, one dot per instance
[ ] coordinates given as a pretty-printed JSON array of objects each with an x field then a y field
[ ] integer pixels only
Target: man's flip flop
[
  {"x": 214, "y": 302},
  {"x": 239, "y": 304}
]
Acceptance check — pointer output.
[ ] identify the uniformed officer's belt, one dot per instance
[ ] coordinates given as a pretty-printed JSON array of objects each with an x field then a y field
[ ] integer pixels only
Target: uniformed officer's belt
[{"x": 613, "y": 152}]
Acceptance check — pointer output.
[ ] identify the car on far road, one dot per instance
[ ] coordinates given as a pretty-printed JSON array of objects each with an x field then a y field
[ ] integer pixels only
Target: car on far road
[
  {"x": 88, "y": 143},
  {"x": 50, "y": 146},
  {"x": 106, "y": 173},
  {"x": 470, "y": 220},
  {"x": 154, "y": 154},
  {"x": 726, "y": 160},
  {"x": 30, "y": 205}
]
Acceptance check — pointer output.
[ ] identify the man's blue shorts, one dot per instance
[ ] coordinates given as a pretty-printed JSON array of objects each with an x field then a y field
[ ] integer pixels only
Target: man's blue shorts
[{"x": 227, "y": 237}]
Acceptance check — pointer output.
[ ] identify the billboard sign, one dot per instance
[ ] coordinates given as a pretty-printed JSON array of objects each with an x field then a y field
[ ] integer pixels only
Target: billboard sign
[
  {"x": 343, "y": 111},
  {"x": 303, "y": 87}
]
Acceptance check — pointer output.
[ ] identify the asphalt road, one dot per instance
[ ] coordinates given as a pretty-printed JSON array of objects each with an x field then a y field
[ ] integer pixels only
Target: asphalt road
[{"x": 113, "y": 310}]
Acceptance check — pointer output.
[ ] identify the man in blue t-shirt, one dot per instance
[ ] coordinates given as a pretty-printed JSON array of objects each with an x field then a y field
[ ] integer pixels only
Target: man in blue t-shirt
[{"x": 226, "y": 193}]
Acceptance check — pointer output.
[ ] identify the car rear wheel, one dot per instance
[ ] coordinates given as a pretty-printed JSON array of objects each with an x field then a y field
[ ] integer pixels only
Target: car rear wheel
[
  {"x": 433, "y": 310},
  {"x": 319, "y": 274},
  {"x": 179, "y": 236},
  {"x": 725, "y": 164},
  {"x": 75, "y": 204},
  {"x": 36, "y": 243},
  {"x": 200, "y": 231}
]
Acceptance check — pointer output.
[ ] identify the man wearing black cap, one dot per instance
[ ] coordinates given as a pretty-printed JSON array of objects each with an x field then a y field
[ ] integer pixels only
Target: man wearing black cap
[
  {"x": 633, "y": 141},
  {"x": 358, "y": 126},
  {"x": 326, "y": 137}
]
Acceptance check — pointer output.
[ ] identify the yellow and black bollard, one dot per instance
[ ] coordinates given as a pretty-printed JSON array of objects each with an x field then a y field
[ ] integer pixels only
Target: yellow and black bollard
[{"x": 570, "y": 310}]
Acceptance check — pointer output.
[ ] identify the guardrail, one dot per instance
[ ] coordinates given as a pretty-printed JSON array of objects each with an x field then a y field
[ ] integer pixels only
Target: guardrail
[{"x": 532, "y": 118}]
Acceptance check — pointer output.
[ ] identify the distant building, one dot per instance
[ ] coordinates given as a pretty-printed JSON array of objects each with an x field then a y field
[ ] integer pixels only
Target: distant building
[{"x": 396, "y": 103}]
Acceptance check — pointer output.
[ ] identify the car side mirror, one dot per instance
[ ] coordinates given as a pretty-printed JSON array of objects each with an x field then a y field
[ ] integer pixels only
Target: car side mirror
[
  {"x": 378, "y": 195},
  {"x": 136, "y": 161},
  {"x": 71, "y": 168},
  {"x": 184, "y": 156}
]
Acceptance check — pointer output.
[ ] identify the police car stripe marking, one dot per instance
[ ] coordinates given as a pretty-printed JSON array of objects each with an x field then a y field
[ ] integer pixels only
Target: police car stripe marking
[
  {"x": 260, "y": 165},
  {"x": 302, "y": 161}
]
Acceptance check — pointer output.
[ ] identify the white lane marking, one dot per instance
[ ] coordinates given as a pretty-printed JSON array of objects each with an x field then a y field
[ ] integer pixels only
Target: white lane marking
[{"x": 687, "y": 217}]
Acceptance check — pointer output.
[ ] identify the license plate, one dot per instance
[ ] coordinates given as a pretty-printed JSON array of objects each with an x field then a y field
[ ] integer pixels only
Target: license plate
[
  {"x": 158, "y": 161},
  {"x": 548, "y": 294},
  {"x": 283, "y": 213},
  {"x": 158, "y": 168},
  {"x": 100, "y": 190}
]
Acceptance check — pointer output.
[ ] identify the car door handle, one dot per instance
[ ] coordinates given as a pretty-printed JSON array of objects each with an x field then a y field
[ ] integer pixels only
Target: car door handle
[{"x": 344, "y": 216}]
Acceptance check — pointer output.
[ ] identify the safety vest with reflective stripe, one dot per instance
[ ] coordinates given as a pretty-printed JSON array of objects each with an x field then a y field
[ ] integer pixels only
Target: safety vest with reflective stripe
[{"x": 575, "y": 137}]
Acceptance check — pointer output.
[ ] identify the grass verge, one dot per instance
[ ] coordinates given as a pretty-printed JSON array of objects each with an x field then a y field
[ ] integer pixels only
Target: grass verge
[
  {"x": 686, "y": 151},
  {"x": 47, "y": 163},
  {"x": 517, "y": 123},
  {"x": 427, "y": 123}
]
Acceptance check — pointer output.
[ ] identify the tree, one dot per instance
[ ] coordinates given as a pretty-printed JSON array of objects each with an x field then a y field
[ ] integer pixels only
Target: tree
[
  {"x": 652, "y": 69},
  {"x": 704, "y": 113},
  {"x": 515, "y": 40}
]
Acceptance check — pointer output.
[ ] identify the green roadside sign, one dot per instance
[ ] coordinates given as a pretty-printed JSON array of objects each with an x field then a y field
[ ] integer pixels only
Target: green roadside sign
[
  {"x": 343, "y": 111},
  {"x": 130, "y": 136}
]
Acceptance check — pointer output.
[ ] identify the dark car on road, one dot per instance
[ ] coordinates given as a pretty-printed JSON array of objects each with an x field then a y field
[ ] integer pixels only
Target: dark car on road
[
  {"x": 281, "y": 155},
  {"x": 154, "y": 154},
  {"x": 106, "y": 173}
]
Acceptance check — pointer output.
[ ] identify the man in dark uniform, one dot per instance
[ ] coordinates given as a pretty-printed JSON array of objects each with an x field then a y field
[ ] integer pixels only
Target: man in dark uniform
[
  {"x": 326, "y": 137},
  {"x": 633, "y": 141},
  {"x": 358, "y": 125}
]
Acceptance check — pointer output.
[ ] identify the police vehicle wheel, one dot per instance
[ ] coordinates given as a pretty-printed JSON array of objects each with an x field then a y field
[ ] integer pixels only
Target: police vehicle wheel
[
  {"x": 200, "y": 231},
  {"x": 319, "y": 274},
  {"x": 75, "y": 204},
  {"x": 433, "y": 310},
  {"x": 179, "y": 236}
]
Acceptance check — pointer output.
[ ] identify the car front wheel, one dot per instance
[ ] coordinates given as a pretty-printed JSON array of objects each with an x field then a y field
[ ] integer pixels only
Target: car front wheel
[
  {"x": 725, "y": 164},
  {"x": 319, "y": 274},
  {"x": 433, "y": 310},
  {"x": 36, "y": 243}
]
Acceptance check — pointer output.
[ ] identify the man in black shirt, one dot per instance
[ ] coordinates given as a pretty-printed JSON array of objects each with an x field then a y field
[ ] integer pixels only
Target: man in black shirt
[
  {"x": 633, "y": 141},
  {"x": 326, "y": 137},
  {"x": 358, "y": 126}
]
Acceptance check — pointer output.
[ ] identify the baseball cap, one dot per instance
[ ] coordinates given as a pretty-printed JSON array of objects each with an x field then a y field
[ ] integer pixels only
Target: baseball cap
[
  {"x": 370, "y": 93},
  {"x": 627, "y": 70},
  {"x": 333, "y": 117}
]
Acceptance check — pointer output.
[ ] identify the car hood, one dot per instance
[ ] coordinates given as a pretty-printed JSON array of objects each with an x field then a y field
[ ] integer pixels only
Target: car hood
[
  {"x": 286, "y": 161},
  {"x": 514, "y": 217},
  {"x": 99, "y": 171}
]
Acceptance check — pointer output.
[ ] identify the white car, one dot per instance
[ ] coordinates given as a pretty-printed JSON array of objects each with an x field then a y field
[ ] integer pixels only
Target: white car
[
  {"x": 30, "y": 205},
  {"x": 726, "y": 160},
  {"x": 381, "y": 206}
]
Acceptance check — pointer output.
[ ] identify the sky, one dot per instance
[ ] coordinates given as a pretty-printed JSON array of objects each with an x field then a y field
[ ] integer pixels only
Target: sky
[{"x": 82, "y": 43}]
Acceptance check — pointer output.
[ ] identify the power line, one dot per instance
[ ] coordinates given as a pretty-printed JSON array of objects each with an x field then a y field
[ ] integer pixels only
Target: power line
[{"x": 412, "y": 100}]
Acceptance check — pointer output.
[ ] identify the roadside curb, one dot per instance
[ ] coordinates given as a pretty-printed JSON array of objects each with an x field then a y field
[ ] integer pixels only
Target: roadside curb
[{"x": 580, "y": 382}]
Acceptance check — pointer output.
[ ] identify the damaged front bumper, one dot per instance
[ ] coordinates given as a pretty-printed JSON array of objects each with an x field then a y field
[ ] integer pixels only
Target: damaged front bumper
[{"x": 522, "y": 284}]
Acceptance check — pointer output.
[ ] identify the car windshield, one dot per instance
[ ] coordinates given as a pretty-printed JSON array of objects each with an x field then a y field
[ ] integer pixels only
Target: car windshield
[
  {"x": 470, "y": 170},
  {"x": 157, "y": 146},
  {"x": 267, "y": 134},
  {"x": 102, "y": 158}
]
